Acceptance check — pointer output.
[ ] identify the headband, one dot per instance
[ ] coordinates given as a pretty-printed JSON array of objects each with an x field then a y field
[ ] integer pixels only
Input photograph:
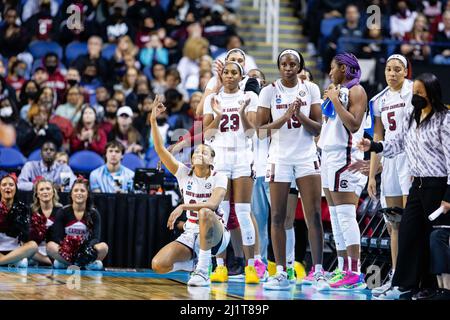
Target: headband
[
  {"x": 399, "y": 57},
  {"x": 289, "y": 51},
  {"x": 235, "y": 50},
  {"x": 235, "y": 63}
]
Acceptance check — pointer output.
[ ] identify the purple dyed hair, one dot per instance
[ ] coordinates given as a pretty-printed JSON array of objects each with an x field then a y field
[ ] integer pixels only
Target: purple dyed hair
[{"x": 353, "y": 70}]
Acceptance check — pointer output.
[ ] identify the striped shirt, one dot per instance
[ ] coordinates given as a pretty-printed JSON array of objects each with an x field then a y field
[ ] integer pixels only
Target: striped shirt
[
  {"x": 427, "y": 147},
  {"x": 60, "y": 174}
]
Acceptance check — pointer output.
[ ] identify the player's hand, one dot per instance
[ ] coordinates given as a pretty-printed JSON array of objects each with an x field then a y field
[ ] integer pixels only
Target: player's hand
[
  {"x": 362, "y": 166},
  {"x": 364, "y": 145},
  {"x": 372, "y": 188},
  {"x": 333, "y": 93},
  {"x": 157, "y": 108},
  {"x": 290, "y": 112},
  {"x": 215, "y": 105},
  {"x": 244, "y": 104},
  {"x": 174, "y": 216}
]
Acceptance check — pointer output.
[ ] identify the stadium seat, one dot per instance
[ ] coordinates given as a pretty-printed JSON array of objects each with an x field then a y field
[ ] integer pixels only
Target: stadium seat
[
  {"x": 108, "y": 51},
  {"x": 85, "y": 161},
  {"x": 38, "y": 49},
  {"x": 327, "y": 26},
  {"x": 35, "y": 155},
  {"x": 11, "y": 158},
  {"x": 75, "y": 49},
  {"x": 132, "y": 161}
]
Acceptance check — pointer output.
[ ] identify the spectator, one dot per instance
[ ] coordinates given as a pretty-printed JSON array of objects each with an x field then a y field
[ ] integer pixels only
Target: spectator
[
  {"x": 31, "y": 7},
  {"x": 216, "y": 31},
  {"x": 73, "y": 78},
  {"x": 443, "y": 52},
  {"x": 373, "y": 50},
  {"x": 87, "y": 134},
  {"x": 110, "y": 119},
  {"x": 234, "y": 41},
  {"x": 146, "y": 29},
  {"x": 112, "y": 177},
  {"x": 124, "y": 47},
  {"x": 8, "y": 111},
  {"x": 158, "y": 82},
  {"x": 71, "y": 110},
  {"x": 42, "y": 22},
  {"x": 180, "y": 12},
  {"x": 40, "y": 75},
  {"x": 13, "y": 37},
  {"x": 154, "y": 52},
  {"x": 193, "y": 50},
  {"x": 32, "y": 135},
  {"x": 142, "y": 10},
  {"x": 91, "y": 80},
  {"x": 125, "y": 133},
  {"x": 6, "y": 91},
  {"x": 16, "y": 77},
  {"x": 56, "y": 79},
  {"x": 180, "y": 113},
  {"x": 115, "y": 25},
  {"x": 94, "y": 55},
  {"x": 62, "y": 158},
  {"x": 28, "y": 95},
  {"x": 101, "y": 96},
  {"x": 173, "y": 81},
  {"x": 119, "y": 96},
  {"x": 257, "y": 74},
  {"x": 402, "y": 21},
  {"x": 140, "y": 122},
  {"x": 60, "y": 174},
  {"x": 203, "y": 81},
  {"x": 417, "y": 48}
]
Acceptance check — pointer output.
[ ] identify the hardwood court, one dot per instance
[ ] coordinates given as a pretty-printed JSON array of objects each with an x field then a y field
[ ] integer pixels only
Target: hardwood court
[{"x": 123, "y": 284}]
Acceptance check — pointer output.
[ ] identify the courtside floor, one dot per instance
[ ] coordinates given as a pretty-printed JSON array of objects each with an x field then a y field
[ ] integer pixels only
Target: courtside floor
[{"x": 141, "y": 284}]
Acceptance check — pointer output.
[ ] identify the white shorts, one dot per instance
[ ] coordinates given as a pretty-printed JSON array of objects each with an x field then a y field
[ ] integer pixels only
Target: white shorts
[
  {"x": 8, "y": 243},
  {"x": 395, "y": 177},
  {"x": 42, "y": 248},
  {"x": 335, "y": 175},
  {"x": 290, "y": 172},
  {"x": 232, "y": 164},
  {"x": 192, "y": 241}
]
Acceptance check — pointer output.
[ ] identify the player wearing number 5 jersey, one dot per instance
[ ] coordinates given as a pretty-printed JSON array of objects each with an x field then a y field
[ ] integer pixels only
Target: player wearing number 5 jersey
[
  {"x": 229, "y": 132},
  {"x": 290, "y": 113},
  {"x": 203, "y": 190},
  {"x": 390, "y": 107}
]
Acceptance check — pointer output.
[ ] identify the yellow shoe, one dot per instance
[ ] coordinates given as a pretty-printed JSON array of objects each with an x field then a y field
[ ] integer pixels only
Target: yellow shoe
[
  {"x": 251, "y": 276},
  {"x": 299, "y": 270},
  {"x": 272, "y": 268},
  {"x": 220, "y": 274}
]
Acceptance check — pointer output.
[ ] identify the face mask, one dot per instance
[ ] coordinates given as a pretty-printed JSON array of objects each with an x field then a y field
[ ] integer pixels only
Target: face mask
[
  {"x": 418, "y": 102},
  {"x": 32, "y": 94},
  {"x": 142, "y": 96},
  {"x": 6, "y": 112},
  {"x": 50, "y": 69},
  {"x": 72, "y": 82},
  {"x": 110, "y": 115}
]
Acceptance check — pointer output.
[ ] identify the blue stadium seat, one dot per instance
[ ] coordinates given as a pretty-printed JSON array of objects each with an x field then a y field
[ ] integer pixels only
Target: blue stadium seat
[
  {"x": 132, "y": 161},
  {"x": 75, "y": 49},
  {"x": 85, "y": 161},
  {"x": 11, "y": 158},
  {"x": 35, "y": 155},
  {"x": 108, "y": 51},
  {"x": 38, "y": 49},
  {"x": 327, "y": 26}
]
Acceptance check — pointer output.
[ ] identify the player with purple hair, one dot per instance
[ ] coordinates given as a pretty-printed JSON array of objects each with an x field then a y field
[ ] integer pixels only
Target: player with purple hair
[{"x": 345, "y": 108}]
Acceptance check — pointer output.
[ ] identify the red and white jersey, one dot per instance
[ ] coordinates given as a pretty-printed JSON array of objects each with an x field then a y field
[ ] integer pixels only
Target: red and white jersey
[
  {"x": 231, "y": 131},
  {"x": 291, "y": 144},
  {"x": 392, "y": 107},
  {"x": 77, "y": 228},
  {"x": 197, "y": 190}
]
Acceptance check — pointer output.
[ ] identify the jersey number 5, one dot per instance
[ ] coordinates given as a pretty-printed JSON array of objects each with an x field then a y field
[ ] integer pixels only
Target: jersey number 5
[
  {"x": 229, "y": 123},
  {"x": 293, "y": 122},
  {"x": 391, "y": 120}
]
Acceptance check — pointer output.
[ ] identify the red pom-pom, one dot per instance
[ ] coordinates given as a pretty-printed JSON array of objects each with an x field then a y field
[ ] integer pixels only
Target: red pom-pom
[
  {"x": 69, "y": 247},
  {"x": 3, "y": 214},
  {"x": 38, "y": 228}
]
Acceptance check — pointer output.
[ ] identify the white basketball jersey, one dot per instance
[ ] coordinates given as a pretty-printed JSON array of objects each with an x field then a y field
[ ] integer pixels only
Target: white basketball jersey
[
  {"x": 197, "y": 190},
  {"x": 231, "y": 133},
  {"x": 392, "y": 107},
  {"x": 292, "y": 143}
]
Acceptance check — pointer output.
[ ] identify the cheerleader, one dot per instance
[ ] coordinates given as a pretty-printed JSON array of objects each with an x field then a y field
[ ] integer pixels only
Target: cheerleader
[
  {"x": 76, "y": 232},
  {"x": 229, "y": 132},
  {"x": 346, "y": 102},
  {"x": 203, "y": 190},
  {"x": 290, "y": 113},
  {"x": 44, "y": 208},
  {"x": 15, "y": 248},
  {"x": 389, "y": 108}
]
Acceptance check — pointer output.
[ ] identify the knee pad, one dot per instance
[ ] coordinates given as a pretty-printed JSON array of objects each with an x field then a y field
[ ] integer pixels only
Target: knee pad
[
  {"x": 246, "y": 223},
  {"x": 337, "y": 233},
  {"x": 346, "y": 214}
]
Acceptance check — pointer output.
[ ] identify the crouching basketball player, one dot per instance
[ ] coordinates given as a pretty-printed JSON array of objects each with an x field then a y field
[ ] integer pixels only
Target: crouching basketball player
[{"x": 203, "y": 190}]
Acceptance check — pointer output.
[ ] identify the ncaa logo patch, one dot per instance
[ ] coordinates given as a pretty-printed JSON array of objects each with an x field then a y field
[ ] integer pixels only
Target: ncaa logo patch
[
  {"x": 208, "y": 185},
  {"x": 278, "y": 98},
  {"x": 302, "y": 93},
  {"x": 189, "y": 187},
  {"x": 343, "y": 184}
]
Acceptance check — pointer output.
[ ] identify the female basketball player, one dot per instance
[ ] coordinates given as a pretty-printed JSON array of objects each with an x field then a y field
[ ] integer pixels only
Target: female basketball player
[
  {"x": 203, "y": 189},
  {"x": 76, "y": 232},
  {"x": 229, "y": 131},
  {"x": 290, "y": 111},
  {"x": 14, "y": 224},
  {"x": 390, "y": 107},
  {"x": 340, "y": 134},
  {"x": 44, "y": 208}
]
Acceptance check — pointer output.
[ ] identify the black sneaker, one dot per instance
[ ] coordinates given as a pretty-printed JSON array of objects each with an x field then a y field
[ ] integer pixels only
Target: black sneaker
[
  {"x": 425, "y": 294},
  {"x": 441, "y": 294},
  {"x": 237, "y": 268}
]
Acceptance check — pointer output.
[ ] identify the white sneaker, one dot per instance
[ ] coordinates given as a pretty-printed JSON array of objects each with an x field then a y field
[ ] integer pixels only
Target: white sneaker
[
  {"x": 385, "y": 286},
  {"x": 278, "y": 282},
  {"x": 96, "y": 265},
  {"x": 393, "y": 293},
  {"x": 320, "y": 281},
  {"x": 199, "y": 278},
  {"x": 59, "y": 265},
  {"x": 22, "y": 263}
]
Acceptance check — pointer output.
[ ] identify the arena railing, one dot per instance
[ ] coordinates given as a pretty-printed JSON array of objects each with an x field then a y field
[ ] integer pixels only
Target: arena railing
[{"x": 269, "y": 15}]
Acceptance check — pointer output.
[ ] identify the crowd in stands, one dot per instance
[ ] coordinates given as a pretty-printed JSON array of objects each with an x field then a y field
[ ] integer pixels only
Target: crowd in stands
[
  {"x": 82, "y": 84},
  {"x": 418, "y": 29}
]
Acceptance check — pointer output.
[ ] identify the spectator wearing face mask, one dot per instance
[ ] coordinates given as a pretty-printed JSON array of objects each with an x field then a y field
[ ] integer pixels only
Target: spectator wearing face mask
[
  {"x": 29, "y": 94},
  {"x": 110, "y": 119},
  {"x": 8, "y": 112},
  {"x": 56, "y": 79}
]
